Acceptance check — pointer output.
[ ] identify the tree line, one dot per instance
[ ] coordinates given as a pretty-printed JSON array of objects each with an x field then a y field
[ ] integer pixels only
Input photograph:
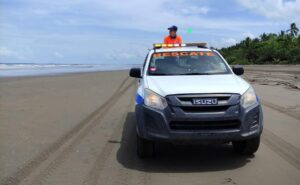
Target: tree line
[{"x": 268, "y": 48}]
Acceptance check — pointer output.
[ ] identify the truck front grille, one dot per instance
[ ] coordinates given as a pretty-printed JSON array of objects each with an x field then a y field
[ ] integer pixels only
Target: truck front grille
[
  {"x": 190, "y": 98},
  {"x": 204, "y": 109},
  {"x": 185, "y": 103}
]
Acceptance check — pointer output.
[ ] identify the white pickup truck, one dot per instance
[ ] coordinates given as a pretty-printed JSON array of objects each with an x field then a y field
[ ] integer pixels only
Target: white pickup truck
[{"x": 188, "y": 92}]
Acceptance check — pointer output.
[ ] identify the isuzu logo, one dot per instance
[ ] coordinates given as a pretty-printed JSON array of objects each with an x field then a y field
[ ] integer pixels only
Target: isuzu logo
[{"x": 205, "y": 101}]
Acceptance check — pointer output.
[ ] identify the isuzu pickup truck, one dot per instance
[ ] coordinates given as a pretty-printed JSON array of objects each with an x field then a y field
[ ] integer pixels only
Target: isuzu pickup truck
[{"x": 188, "y": 92}]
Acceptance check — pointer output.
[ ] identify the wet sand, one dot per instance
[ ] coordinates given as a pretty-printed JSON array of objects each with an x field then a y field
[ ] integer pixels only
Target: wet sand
[{"x": 79, "y": 129}]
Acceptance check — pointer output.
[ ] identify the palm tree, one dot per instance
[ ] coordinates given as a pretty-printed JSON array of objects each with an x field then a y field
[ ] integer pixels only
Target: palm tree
[
  {"x": 282, "y": 34},
  {"x": 264, "y": 37},
  {"x": 247, "y": 42},
  {"x": 293, "y": 30}
]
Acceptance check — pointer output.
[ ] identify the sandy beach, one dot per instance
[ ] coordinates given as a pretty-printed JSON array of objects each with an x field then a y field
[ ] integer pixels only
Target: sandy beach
[{"x": 78, "y": 129}]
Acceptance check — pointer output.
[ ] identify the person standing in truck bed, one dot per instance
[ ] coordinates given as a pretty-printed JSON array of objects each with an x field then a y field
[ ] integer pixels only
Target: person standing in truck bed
[{"x": 173, "y": 38}]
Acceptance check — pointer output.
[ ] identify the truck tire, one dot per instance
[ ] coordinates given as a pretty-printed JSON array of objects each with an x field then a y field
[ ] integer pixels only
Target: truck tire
[
  {"x": 246, "y": 147},
  {"x": 145, "y": 148}
]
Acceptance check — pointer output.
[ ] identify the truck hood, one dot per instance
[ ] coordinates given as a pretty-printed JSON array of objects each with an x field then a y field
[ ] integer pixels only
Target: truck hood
[{"x": 168, "y": 85}]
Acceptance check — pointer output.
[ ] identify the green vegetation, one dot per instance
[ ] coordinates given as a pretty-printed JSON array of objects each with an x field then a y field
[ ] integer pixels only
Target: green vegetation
[{"x": 269, "y": 48}]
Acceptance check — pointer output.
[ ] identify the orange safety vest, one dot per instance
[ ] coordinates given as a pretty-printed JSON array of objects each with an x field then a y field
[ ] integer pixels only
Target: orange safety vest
[{"x": 169, "y": 40}]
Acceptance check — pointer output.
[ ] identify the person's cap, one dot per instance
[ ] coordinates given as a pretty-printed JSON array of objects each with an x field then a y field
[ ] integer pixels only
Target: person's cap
[{"x": 173, "y": 28}]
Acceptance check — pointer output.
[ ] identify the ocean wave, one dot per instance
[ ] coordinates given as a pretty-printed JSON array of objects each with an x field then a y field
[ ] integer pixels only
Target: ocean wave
[
  {"x": 8, "y": 66},
  {"x": 18, "y": 69}
]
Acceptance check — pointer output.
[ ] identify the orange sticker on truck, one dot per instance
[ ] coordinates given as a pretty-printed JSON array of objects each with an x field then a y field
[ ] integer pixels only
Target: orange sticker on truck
[{"x": 184, "y": 54}]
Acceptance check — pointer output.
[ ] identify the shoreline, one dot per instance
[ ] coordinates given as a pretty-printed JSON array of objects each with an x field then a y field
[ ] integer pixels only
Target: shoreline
[
  {"x": 10, "y": 78},
  {"x": 22, "y": 70}
]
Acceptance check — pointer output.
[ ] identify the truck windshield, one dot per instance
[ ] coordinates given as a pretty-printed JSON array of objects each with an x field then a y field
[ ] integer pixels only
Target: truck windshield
[{"x": 187, "y": 63}]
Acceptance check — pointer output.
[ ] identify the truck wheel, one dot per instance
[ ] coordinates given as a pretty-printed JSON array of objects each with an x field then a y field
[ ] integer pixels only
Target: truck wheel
[
  {"x": 246, "y": 147},
  {"x": 145, "y": 148}
]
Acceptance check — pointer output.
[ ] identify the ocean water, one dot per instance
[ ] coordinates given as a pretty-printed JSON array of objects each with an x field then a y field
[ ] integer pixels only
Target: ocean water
[{"x": 33, "y": 69}]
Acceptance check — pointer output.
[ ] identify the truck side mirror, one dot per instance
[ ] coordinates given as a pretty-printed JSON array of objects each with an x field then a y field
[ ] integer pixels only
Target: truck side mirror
[
  {"x": 238, "y": 69},
  {"x": 135, "y": 73}
]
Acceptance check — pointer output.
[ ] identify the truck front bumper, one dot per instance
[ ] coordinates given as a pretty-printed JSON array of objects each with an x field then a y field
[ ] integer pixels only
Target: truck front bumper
[{"x": 164, "y": 125}]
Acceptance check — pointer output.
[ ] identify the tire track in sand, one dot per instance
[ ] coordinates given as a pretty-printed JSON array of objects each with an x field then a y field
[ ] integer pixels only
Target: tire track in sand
[
  {"x": 31, "y": 165},
  {"x": 284, "y": 149},
  {"x": 126, "y": 152},
  {"x": 278, "y": 108},
  {"x": 93, "y": 174},
  {"x": 62, "y": 156},
  {"x": 281, "y": 109}
]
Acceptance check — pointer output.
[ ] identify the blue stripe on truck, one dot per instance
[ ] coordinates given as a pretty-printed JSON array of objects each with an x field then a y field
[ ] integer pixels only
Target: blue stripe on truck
[{"x": 139, "y": 99}]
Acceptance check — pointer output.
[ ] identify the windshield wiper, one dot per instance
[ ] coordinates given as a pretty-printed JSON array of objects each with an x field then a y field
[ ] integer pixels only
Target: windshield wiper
[
  {"x": 168, "y": 74},
  {"x": 160, "y": 74},
  {"x": 195, "y": 74}
]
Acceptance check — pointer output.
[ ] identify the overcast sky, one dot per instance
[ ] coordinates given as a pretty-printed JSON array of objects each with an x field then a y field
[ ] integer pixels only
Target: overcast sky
[{"x": 121, "y": 31}]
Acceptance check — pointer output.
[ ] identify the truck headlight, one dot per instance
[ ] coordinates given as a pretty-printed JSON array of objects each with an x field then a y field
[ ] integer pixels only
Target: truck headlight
[
  {"x": 154, "y": 100},
  {"x": 248, "y": 98}
]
